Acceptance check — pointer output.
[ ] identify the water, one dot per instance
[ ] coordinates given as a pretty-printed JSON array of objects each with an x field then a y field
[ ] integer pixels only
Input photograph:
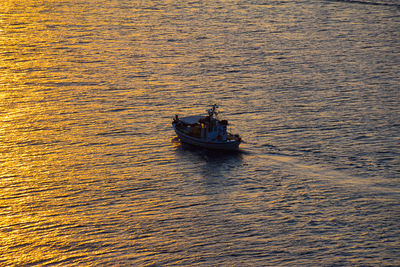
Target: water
[{"x": 91, "y": 172}]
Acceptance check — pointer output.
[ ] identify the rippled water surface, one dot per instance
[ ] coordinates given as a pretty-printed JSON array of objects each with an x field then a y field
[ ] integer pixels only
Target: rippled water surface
[{"x": 92, "y": 174}]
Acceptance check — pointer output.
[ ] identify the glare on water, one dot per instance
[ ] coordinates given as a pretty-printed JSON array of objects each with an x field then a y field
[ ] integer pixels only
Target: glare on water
[{"x": 92, "y": 173}]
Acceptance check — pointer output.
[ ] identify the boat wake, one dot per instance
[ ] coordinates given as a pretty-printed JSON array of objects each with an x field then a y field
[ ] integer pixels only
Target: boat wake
[
  {"x": 375, "y": 3},
  {"x": 328, "y": 174}
]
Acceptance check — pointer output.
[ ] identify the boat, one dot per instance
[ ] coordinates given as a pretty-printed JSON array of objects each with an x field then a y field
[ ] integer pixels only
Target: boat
[{"x": 206, "y": 131}]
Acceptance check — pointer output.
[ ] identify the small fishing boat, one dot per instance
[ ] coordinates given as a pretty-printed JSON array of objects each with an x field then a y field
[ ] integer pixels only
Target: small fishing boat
[{"x": 206, "y": 131}]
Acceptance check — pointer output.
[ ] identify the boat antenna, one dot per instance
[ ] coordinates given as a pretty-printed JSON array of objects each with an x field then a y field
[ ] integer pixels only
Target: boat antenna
[{"x": 213, "y": 111}]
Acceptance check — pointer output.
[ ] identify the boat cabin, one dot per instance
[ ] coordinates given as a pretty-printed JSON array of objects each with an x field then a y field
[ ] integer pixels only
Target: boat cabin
[{"x": 205, "y": 127}]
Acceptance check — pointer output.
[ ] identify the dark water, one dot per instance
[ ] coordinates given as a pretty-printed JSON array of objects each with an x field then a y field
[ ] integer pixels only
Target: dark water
[{"x": 91, "y": 172}]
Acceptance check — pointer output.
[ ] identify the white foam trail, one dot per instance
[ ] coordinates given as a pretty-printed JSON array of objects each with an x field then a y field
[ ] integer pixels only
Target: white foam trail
[{"x": 328, "y": 174}]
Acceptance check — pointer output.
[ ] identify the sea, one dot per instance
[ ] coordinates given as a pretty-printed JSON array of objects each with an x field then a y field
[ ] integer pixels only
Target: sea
[{"x": 92, "y": 173}]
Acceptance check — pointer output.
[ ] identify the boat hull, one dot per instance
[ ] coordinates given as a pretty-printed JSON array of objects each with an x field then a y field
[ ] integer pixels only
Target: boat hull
[{"x": 232, "y": 145}]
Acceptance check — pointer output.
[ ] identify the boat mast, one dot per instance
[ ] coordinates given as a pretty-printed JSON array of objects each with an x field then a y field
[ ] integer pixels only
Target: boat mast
[{"x": 212, "y": 111}]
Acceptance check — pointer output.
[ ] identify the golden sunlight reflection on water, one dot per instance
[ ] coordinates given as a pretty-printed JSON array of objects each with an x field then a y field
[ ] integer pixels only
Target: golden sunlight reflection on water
[
  {"x": 91, "y": 172},
  {"x": 36, "y": 147}
]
